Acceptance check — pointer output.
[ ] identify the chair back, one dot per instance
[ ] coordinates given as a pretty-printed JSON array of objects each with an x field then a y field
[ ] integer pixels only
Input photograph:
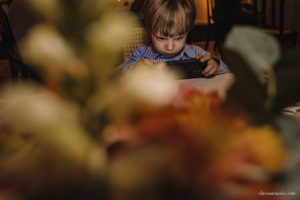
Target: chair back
[
  {"x": 17, "y": 67},
  {"x": 138, "y": 37},
  {"x": 210, "y": 6},
  {"x": 7, "y": 36},
  {"x": 210, "y": 11},
  {"x": 270, "y": 14}
]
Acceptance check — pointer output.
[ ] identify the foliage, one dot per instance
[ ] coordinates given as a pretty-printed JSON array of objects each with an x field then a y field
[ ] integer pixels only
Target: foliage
[{"x": 88, "y": 133}]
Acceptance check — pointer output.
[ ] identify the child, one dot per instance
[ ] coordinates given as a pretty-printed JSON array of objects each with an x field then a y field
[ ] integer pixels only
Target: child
[{"x": 168, "y": 23}]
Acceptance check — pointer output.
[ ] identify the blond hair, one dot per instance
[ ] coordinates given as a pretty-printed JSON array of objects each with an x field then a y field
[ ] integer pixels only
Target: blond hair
[{"x": 169, "y": 17}]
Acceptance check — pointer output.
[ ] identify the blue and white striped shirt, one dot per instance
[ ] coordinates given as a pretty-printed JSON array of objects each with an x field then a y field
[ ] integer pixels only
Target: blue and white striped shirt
[{"x": 188, "y": 52}]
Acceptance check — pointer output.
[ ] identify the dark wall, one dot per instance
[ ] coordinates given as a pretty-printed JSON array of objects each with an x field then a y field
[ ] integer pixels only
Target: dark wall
[
  {"x": 199, "y": 33},
  {"x": 296, "y": 19}
]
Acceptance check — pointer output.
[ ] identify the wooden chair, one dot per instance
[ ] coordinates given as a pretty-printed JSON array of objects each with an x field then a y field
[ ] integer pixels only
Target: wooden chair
[
  {"x": 210, "y": 21},
  {"x": 222, "y": 15},
  {"x": 270, "y": 14},
  {"x": 17, "y": 67},
  {"x": 138, "y": 37}
]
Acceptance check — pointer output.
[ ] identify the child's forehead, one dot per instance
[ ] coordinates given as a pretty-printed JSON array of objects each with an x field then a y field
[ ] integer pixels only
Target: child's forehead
[{"x": 160, "y": 34}]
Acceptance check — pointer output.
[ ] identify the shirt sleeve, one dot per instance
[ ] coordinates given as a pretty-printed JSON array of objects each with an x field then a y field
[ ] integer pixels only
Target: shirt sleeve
[
  {"x": 132, "y": 59},
  {"x": 222, "y": 69}
]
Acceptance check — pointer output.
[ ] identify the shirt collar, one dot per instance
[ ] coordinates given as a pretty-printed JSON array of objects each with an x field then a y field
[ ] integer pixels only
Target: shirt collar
[{"x": 187, "y": 50}]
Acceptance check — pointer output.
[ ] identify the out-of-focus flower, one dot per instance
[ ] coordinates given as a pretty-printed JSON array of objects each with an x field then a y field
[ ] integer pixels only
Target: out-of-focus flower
[
  {"x": 46, "y": 48},
  {"x": 30, "y": 109},
  {"x": 46, "y": 140},
  {"x": 51, "y": 9},
  {"x": 211, "y": 145},
  {"x": 99, "y": 7},
  {"x": 269, "y": 151},
  {"x": 105, "y": 39},
  {"x": 128, "y": 172},
  {"x": 110, "y": 32},
  {"x": 155, "y": 85}
]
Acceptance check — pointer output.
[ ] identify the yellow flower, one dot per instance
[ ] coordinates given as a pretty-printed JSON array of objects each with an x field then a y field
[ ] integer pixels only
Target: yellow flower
[{"x": 268, "y": 147}]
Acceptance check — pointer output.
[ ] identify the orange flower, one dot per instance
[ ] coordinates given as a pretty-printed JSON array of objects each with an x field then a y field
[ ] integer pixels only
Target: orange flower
[{"x": 210, "y": 144}]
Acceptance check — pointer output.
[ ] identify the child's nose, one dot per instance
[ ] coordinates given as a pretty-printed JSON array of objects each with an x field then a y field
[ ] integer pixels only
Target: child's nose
[{"x": 170, "y": 45}]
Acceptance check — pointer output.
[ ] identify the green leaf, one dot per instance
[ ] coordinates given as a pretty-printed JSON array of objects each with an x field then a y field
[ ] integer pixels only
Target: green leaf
[
  {"x": 247, "y": 93},
  {"x": 260, "y": 50},
  {"x": 287, "y": 73}
]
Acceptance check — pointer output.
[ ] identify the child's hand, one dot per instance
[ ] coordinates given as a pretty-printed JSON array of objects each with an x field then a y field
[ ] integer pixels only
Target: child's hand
[
  {"x": 212, "y": 65},
  {"x": 145, "y": 61}
]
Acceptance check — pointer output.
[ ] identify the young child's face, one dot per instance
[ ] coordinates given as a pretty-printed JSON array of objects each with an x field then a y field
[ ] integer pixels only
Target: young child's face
[{"x": 168, "y": 46}]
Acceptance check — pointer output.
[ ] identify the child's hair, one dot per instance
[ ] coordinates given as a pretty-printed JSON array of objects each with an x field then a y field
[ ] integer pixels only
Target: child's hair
[{"x": 169, "y": 17}]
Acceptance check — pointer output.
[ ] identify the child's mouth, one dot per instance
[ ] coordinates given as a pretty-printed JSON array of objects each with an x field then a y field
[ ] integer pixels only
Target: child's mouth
[{"x": 169, "y": 54}]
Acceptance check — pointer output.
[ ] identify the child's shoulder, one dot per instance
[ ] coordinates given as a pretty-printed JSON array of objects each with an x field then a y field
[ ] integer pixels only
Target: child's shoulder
[
  {"x": 142, "y": 51},
  {"x": 194, "y": 49}
]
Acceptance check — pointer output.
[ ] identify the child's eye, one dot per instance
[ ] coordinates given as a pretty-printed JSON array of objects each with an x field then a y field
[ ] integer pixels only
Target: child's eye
[
  {"x": 160, "y": 38},
  {"x": 179, "y": 38}
]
